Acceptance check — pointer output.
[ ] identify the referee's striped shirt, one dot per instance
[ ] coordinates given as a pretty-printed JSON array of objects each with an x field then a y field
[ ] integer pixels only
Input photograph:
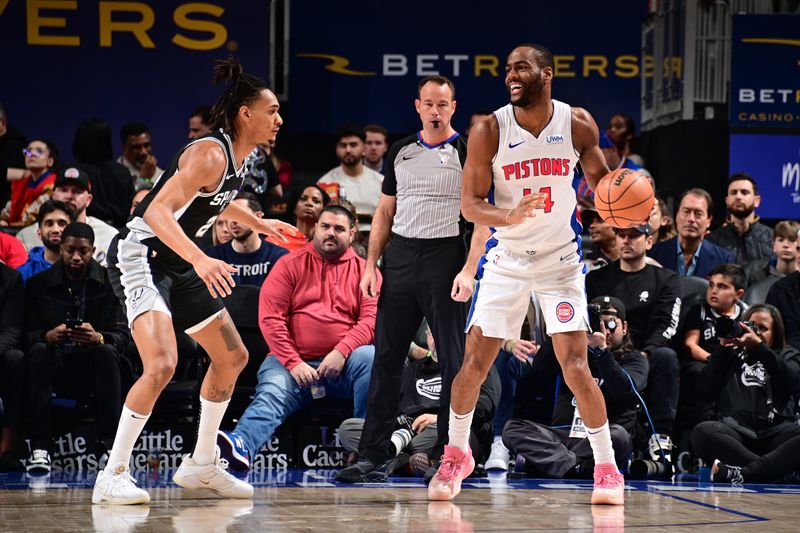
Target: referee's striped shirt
[{"x": 426, "y": 179}]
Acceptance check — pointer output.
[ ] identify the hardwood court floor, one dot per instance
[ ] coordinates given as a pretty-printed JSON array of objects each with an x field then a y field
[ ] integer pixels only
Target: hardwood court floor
[{"x": 302, "y": 501}]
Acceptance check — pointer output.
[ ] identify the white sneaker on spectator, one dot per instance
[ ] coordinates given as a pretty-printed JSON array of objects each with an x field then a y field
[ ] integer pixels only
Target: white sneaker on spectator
[
  {"x": 659, "y": 444},
  {"x": 38, "y": 462},
  {"x": 193, "y": 476},
  {"x": 115, "y": 485},
  {"x": 498, "y": 457}
]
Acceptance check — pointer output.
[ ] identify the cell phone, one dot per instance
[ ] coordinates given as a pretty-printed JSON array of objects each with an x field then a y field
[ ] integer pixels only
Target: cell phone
[
  {"x": 73, "y": 323},
  {"x": 594, "y": 317}
]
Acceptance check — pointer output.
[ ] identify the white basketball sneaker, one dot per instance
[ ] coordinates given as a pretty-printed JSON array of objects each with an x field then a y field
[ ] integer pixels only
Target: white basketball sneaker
[
  {"x": 115, "y": 485},
  {"x": 498, "y": 457},
  {"x": 212, "y": 476}
]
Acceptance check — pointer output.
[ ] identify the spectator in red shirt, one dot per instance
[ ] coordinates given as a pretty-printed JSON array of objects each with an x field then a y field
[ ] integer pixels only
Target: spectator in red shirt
[
  {"x": 320, "y": 330},
  {"x": 12, "y": 252}
]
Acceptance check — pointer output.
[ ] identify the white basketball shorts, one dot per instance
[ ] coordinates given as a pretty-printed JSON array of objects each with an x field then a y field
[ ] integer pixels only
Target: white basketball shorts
[{"x": 504, "y": 291}]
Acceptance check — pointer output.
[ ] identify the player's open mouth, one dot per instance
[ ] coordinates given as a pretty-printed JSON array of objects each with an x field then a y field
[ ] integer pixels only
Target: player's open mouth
[{"x": 515, "y": 88}]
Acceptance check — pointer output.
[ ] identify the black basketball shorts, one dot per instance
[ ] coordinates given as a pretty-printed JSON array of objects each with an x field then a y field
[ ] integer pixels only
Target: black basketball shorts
[{"x": 144, "y": 283}]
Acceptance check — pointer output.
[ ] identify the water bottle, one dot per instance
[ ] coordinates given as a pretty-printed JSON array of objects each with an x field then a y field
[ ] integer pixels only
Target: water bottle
[{"x": 342, "y": 193}]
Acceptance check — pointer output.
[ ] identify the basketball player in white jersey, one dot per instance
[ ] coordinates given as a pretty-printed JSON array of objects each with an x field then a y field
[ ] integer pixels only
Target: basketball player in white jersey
[
  {"x": 518, "y": 180},
  {"x": 165, "y": 281}
]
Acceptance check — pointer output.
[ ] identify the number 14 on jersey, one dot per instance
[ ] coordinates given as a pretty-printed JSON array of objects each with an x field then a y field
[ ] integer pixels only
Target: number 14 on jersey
[{"x": 548, "y": 201}]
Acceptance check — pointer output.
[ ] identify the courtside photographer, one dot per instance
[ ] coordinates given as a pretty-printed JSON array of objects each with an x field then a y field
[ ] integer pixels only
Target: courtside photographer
[
  {"x": 752, "y": 377},
  {"x": 562, "y": 449}
]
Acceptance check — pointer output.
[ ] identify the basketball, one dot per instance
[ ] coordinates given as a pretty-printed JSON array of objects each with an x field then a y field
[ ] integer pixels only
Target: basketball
[{"x": 624, "y": 198}]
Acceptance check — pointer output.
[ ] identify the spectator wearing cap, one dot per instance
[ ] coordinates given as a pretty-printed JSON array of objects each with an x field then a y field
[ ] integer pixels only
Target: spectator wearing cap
[
  {"x": 742, "y": 234},
  {"x": 604, "y": 243},
  {"x": 357, "y": 183},
  {"x": 562, "y": 449},
  {"x": 76, "y": 333},
  {"x": 651, "y": 296},
  {"x": 74, "y": 188},
  {"x": 690, "y": 254},
  {"x": 137, "y": 154},
  {"x": 53, "y": 217}
]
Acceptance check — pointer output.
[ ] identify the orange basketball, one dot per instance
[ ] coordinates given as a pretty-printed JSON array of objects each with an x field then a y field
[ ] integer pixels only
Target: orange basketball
[{"x": 624, "y": 198}]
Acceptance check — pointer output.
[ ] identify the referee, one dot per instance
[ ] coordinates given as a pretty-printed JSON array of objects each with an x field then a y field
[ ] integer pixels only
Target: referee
[{"x": 424, "y": 270}]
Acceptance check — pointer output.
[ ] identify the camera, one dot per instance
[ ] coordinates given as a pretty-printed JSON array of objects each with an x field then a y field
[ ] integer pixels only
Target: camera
[
  {"x": 405, "y": 422},
  {"x": 728, "y": 328},
  {"x": 401, "y": 437},
  {"x": 647, "y": 469},
  {"x": 596, "y": 319}
]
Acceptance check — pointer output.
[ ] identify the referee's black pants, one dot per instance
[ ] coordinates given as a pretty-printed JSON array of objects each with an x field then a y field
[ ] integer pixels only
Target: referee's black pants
[{"x": 417, "y": 280}]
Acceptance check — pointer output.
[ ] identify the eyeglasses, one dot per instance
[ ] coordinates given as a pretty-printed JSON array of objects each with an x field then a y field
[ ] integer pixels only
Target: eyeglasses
[{"x": 36, "y": 152}]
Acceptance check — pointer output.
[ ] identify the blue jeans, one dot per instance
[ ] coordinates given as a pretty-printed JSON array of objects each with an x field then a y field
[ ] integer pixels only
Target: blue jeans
[{"x": 278, "y": 395}]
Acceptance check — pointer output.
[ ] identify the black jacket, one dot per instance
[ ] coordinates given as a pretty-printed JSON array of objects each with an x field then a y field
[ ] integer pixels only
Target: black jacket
[
  {"x": 752, "y": 394},
  {"x": 622, "y": 403},
  {"x": 421, "y": 385},
  {"x": 12, "y": 299},
  {"x": 49, "y": 302},
  {"x": 651, "y": 297},
  {"x": 754, "y": 245},
  {"x": 785, "y": 295}
]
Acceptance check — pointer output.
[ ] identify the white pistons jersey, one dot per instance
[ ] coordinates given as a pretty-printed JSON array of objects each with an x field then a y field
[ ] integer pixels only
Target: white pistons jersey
[{"x": 525, "y": 164}]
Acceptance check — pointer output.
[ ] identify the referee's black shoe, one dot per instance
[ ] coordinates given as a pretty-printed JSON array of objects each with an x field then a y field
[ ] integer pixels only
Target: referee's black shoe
[{"x": 365, "y": 471}]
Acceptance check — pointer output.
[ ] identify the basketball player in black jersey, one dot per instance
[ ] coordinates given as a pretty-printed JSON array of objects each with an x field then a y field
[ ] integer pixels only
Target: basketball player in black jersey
[{"x": 164, "y": 281}]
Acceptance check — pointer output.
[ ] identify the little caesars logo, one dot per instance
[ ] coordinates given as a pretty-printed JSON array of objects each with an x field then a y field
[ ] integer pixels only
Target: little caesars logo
[{"x": 328, "y": 453}]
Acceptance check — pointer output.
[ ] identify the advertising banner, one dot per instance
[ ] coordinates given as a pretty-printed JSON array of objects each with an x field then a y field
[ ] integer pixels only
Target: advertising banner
[
  {"x": 362, "y": 64},
  {"x": 774, "y": 162},
  {"x": 146, "y": 61},
  {"x": 765, "y": 71}
]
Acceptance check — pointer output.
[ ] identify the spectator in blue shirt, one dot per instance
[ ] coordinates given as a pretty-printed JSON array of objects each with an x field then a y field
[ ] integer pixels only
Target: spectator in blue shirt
[
  {"x": 690, "y": 254},
  {"x": 247, "y": 251},
  {"x": 53, "y": 217}
]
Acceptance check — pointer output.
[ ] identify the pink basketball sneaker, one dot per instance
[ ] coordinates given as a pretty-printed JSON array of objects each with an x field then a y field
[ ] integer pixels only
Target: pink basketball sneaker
[
  {"x": 609, "y": 486},
  {"x": 456, "y": 465}
]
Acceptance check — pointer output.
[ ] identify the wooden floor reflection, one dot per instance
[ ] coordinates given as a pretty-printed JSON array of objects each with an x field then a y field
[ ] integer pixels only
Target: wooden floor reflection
[{"x": 299, "y": 503}]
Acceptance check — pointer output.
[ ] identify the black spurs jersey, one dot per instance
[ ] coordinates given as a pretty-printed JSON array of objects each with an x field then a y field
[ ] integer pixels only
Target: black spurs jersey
[{"x": 199, "y": 214}]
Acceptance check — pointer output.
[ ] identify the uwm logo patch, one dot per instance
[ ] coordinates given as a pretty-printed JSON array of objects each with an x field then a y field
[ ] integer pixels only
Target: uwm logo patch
[
  {"x": 545, "y": 166},
  {"x": 565, "y": 312},
  {"x": 554, "y": 139}
]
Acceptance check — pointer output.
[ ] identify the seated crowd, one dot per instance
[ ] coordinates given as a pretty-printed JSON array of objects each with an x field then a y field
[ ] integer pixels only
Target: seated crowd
[{"x": 695, "y": 329}]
